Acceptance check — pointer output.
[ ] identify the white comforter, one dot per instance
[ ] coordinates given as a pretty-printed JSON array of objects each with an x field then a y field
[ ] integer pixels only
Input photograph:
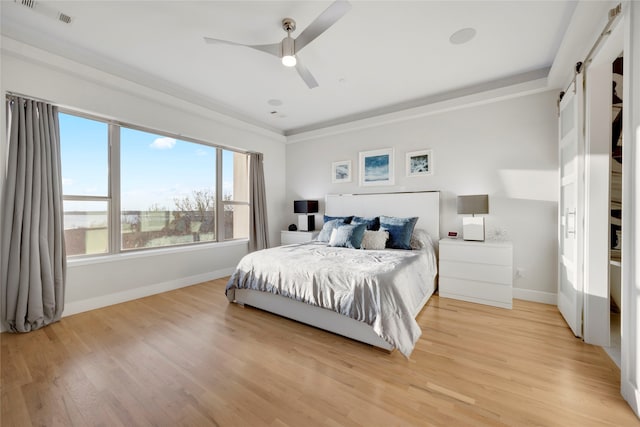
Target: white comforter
[{"x": 381, "y": 288}]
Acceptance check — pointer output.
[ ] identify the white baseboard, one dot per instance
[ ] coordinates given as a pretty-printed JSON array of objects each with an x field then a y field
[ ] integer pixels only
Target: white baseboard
[
  {"x": 535, "y": 296},
  {"x": 631, "y": 394},
  {"x": 76, "y": 307}
]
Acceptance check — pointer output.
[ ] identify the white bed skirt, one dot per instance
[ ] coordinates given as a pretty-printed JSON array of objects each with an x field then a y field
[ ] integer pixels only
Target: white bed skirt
[{"x": 319, "y": 317}]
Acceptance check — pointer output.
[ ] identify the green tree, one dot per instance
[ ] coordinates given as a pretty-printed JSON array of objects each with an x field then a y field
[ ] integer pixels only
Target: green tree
[{"x": 198, "y": 206}]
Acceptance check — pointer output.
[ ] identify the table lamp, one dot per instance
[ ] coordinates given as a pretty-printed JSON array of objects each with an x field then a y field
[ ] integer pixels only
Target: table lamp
[
  {"x": 472, "y": 226},
  {"x": 306, "y": 222}
]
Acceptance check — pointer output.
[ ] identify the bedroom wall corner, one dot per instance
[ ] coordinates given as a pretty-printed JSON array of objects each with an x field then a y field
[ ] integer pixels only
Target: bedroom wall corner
[{"x": 506, "y": 148}]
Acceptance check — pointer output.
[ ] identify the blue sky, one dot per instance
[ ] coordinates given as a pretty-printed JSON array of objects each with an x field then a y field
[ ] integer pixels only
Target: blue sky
[{"x": 154, "y": 169}]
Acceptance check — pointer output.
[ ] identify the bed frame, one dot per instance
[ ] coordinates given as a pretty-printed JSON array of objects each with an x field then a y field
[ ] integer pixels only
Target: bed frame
[{"x": 424, "y": 204}]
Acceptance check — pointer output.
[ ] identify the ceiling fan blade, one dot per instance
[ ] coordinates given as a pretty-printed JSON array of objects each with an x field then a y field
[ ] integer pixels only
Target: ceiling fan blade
[
  {"x": 273, "y": 49},
  {"x": 305, "y": 74},
  {"x": 325, "y": 20}
]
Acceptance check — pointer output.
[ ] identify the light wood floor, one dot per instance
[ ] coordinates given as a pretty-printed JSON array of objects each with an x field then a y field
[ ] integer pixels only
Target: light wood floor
[{"x": 190, "y": 358}]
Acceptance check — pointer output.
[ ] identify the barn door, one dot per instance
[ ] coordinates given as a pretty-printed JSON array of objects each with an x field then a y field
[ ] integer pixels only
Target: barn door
[{"x": 570, "y": 207}]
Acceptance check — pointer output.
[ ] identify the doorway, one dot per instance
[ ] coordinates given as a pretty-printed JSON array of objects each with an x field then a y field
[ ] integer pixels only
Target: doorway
[
  {"x": 615, "y": 219},
  {"x": 603, "y": 195}
]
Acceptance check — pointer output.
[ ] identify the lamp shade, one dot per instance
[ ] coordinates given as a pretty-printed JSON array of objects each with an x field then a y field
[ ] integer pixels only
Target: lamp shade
[
  {"x": 305, "y": 206},
  {"x": 477, "y": 204}
]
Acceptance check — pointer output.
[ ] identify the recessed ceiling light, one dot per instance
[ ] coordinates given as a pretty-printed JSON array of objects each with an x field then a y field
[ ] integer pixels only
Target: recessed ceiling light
[
  {"x": 462, "y": 36},
  {"x": 274, "y": 102}
]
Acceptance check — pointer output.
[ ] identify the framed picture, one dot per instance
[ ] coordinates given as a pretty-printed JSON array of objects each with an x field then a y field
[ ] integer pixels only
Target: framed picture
[
  {"x": 376, "y": 167},
  {"x": 341, "y": 171},
  {"x": 420, "y": 163}
]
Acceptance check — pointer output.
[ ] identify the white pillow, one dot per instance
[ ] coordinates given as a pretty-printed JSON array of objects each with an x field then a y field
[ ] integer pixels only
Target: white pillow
[
  {"x": 375, "y": 240},
  {"x": 420, "y": 239}
]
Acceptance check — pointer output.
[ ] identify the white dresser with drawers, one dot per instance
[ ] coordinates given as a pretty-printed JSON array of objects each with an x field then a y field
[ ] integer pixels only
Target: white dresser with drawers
[{"x": 480, "y": 272}]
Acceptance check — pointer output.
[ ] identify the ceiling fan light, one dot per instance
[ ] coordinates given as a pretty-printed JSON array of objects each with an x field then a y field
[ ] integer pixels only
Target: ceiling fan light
[
  {"x": 288, "y": 51},
  {"x": 289, "y": 61}
]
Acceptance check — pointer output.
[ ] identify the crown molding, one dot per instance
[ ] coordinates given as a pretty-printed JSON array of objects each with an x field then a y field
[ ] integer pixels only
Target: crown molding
[{"x": 494, "y": 91}]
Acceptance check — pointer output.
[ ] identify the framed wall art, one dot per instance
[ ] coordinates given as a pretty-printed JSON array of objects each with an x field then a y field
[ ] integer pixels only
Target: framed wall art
[
  {"x": 420, "y": 163},
  {"x": 341, "y": 171},
  {"x": 376, "y": 167}
]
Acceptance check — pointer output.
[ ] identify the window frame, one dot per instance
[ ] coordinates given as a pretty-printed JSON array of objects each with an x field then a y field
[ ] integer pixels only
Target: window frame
[
  {"x": 113, "y": 197},
  {"x": 111, "y": 248},
  {"x": 219, "y": 185}
]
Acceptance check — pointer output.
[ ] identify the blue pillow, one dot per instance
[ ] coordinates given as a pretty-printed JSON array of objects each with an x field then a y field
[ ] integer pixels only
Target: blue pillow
[
  {"x": 345, "y": 219},
  {"x": 400, "y": 230},
  {"x": 373, "y": 223},
  {"x": 327, "y": 228},
  {"x": 348, "y": 236}
]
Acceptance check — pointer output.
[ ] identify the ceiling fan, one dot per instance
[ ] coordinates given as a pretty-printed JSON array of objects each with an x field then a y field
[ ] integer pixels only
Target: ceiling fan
[{"x": 289, "y": 47}]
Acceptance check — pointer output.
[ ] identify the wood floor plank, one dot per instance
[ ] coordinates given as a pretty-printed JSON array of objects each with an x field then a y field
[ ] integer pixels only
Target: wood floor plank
[{"x": 189, "y": 357}]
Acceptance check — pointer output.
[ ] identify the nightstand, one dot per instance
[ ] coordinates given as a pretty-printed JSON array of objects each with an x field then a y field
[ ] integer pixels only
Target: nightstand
[
  {"x": 480, "y": 272},
  {"x": 290, "y": 237}
]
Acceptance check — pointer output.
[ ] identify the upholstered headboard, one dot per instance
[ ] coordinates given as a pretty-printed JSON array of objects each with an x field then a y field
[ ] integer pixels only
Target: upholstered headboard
[{"x": 423, "y": 204}]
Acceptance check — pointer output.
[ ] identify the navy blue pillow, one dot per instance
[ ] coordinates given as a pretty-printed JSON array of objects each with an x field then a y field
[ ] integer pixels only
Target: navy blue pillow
[
  {"x": 345, "y": 219},
  {"x": 400, "y": 230},
  {"x": 348, "y": 236},
  {"x": 373, "y": 224}
]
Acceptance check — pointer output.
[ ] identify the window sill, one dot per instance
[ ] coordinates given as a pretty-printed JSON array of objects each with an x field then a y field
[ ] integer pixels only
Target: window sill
[{"x": 99, "y": 259}]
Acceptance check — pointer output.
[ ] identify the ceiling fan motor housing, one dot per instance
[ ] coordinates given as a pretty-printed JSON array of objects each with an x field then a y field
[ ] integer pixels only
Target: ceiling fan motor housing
[
  {"x": 288, "y": 47},
  {"x": 289, "y": 25}
]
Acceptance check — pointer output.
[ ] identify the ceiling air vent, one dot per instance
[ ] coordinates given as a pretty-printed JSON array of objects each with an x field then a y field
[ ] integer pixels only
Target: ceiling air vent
[
  {"x": 46, "y": 10},
  {"x": 64, "y": 18},
  {"x": 29, "y": 3}
]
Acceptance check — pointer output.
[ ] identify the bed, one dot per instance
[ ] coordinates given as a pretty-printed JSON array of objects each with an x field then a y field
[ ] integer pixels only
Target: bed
[{"x": 367, "y": 295}]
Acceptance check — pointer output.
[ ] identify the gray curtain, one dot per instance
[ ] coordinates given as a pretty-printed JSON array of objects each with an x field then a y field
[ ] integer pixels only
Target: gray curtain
[
  {"x": 258, "y": 229},
  {"x": 32, "y": 252}
]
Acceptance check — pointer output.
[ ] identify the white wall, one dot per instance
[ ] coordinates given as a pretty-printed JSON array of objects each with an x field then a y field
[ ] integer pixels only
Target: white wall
[
  {"x": 507, "y": 149},
  {"x": 30, "y": 71}
]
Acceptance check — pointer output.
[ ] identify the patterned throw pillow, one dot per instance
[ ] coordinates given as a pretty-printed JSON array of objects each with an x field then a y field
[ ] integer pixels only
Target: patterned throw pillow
[
  {"x": 327, "y": 228},
  {"x": 347, "y": 236},
  {"x": 345, "y": 219},
  {"x": 373, "y": 223},
  {"x": 400, "y": 230}
]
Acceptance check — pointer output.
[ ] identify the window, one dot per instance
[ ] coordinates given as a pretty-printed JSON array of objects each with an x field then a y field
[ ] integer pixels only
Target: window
[
  {"x": 168, "y": 190},
  {"x": 128, "y": 189},
  {"x": 84, "y": 146}
]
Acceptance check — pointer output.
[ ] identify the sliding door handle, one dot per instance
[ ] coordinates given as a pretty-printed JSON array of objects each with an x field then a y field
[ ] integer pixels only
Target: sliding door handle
[{"x": 571, "y": 222}]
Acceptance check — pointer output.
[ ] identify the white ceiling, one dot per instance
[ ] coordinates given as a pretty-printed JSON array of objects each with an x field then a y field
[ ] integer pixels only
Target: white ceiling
[{"x": 382, "y": 56}]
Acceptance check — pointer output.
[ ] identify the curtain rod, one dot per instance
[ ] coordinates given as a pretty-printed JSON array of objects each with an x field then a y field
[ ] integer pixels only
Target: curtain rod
[
  {"x": 121, "y": 123},
  {"x": 581, "y": 66},
  {"x": 32, "y": 98}
]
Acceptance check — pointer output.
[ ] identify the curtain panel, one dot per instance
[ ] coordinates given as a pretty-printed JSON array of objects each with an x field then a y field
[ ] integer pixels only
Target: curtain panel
[
  {"x": 258, "y": 228},
  {"x": 32, "y": 250}
]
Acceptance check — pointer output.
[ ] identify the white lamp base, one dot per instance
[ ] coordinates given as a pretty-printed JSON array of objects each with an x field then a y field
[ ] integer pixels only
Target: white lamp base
[
  {"x": 306, "y": 222},
  {"x": 473, "y": 228}
]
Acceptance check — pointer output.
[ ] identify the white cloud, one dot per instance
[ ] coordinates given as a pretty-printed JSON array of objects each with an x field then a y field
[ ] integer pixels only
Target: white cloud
[
  {"x": 67, "y": 181},
  {"x": 201, "y": 153},
  {"x": 163, "y": 143}
]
